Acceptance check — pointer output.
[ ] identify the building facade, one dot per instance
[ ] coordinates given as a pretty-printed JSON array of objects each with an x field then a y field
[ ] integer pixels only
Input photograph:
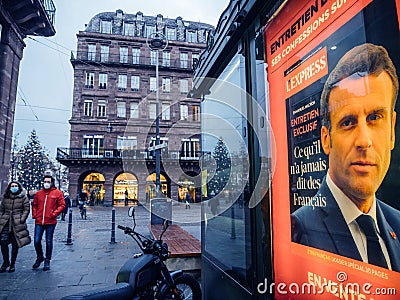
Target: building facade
[
  {"x": 265, "y": 71},
  {"x": 115, "y": 104},
  {"x": 18, "y": 19}
]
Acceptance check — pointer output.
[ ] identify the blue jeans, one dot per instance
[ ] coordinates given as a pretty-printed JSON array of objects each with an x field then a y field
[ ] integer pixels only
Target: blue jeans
[{"x": 39, "y": 230}]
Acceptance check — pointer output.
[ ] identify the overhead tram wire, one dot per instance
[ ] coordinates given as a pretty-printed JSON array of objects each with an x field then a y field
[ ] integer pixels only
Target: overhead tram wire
[
  {"x": 25, "y": 100},
  {"x": 68, "y": 54}
]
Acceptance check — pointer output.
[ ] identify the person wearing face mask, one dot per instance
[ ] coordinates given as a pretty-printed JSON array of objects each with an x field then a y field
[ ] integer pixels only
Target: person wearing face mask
[
  {"x": 47, "y": 204},
  {"x": 14, "y": 210}
]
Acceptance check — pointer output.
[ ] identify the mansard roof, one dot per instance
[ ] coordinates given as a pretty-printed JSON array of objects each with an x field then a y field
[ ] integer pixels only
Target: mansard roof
[{"x": 118, "y": 18}]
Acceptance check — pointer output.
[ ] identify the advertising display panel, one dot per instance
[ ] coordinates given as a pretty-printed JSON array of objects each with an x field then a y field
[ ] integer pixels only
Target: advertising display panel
[{"x": 333, "y": 68}]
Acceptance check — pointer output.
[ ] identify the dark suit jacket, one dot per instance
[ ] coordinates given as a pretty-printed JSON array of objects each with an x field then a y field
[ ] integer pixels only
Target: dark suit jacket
[{"x": 325, "y": 228}]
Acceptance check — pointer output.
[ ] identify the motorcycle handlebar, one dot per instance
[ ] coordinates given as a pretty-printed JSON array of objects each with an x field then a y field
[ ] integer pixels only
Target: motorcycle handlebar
[{"x": 125, "y": 229}]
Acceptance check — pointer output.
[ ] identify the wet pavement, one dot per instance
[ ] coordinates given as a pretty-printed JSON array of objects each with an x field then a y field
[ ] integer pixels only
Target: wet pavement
[{"x": 92, "y": 261}]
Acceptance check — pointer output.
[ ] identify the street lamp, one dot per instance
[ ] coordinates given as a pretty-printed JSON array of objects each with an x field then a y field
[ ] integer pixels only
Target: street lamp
[{"x": 157, "y": 41}]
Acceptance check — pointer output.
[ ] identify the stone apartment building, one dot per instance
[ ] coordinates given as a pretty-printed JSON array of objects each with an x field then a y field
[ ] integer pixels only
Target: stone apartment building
[
  {"x": 114, "y": 108},
  {"x": 18, "y": 19}
]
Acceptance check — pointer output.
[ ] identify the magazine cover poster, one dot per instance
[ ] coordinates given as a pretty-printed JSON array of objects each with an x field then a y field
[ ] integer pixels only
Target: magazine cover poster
[{"x": 333, "y": 70}]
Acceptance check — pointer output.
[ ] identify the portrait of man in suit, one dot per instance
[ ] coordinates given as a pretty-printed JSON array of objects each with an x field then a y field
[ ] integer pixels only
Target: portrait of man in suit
[{"x": 357, "y": 133}]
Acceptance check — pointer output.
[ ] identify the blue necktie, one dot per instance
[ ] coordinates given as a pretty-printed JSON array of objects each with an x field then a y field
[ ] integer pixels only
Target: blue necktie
[{"x": 374, "y": 249}]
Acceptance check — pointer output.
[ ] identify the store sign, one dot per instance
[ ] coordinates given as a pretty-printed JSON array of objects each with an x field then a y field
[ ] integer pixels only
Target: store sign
[{"x": 318, "y": 50}]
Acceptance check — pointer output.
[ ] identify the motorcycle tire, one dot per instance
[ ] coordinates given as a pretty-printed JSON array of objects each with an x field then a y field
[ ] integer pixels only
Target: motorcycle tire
[{"x": 188, "y": 287}]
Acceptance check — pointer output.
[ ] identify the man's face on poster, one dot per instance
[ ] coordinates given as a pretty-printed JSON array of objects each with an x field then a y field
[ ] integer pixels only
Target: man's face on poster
[{"x": 361, "y": 135}]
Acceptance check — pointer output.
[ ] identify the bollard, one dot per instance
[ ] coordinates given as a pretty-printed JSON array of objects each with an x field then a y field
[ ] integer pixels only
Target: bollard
[
  {"x": 69, "y": 235},
  {"x": 112, "y": 226}
]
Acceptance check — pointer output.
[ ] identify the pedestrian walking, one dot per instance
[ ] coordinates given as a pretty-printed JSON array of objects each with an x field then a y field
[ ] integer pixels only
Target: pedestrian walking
[
  {"x": 82, "y": 209},
  {"x": 126, "y": 197},
  {"x": 188, "y": 198},
  {"x": 46, "y": 206},
  {"x": 14, "y": 210},
  {"x": 67, "y": 201}
]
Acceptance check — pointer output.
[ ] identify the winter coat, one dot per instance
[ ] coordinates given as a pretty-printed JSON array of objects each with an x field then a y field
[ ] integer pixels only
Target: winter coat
[
  {"x": 14, "y": 210},
  {"x": 47, "y": 205}
]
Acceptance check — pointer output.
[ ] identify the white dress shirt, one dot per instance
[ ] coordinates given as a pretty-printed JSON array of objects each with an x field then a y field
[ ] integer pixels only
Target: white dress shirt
[{"x": 350, "y": 213}]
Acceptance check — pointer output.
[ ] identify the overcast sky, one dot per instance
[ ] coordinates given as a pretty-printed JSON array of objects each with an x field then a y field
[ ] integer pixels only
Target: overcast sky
[{"x": 45, "y": 86}]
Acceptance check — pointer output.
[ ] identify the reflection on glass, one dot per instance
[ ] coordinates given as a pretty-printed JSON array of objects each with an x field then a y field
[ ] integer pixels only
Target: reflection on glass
[{"x": 224, "y": 172}]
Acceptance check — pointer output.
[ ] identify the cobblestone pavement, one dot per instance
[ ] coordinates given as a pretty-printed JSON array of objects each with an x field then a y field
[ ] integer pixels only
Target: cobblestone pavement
[{"x": 92, "y": 261}]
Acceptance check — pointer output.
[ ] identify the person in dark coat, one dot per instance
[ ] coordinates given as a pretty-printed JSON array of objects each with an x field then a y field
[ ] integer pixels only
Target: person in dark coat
[
  {"x": 67, "y": 200},
  {"x": 14, "y": 210}
]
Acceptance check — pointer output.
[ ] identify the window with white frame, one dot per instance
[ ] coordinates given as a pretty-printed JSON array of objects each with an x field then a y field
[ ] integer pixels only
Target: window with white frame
[
  {"x": 166, "y": 61},
  {"x": 153, "y": 84},
  {"x": 150, "y": 30},
  {"x": 92, "y": 52},
  {"x": 134, "y": 111},
  {"x": 135, "y": 82},
  {"x": 121, "y": 109},
  {"x": 89, "y": 81},
  {"x": 190, "y": 148},
  {"x": 152, "y": 143},
  {"x": 152, "y": 111},
  {"x": 195, "y": 59},
  {"x": 105, "y": 26},
  {"x": 126, "y": 142},
  {"x": 171, "y": 34},
  {"x": 191, "y": 36},
  {"x": 184, "y": 111},
  {"x": 184, "y": 86},
  {"x": 129, "y": 29},
  {"x": 195, "y": 112},
  {"x": 166, "y": 112},
  {"x": 135, "y": 55},
  {"x": 184, "y": 59},
  {"x": 123, "y": 55},
  {"x": 88, "y": 108},
  {"x": 93, "y": 145},
  {"x": 104, "y": 52},
  {"x": 166, "y": 85},
  {"x": 103, "y": 81},
  {"x": 153, "y": 57},
  {"x": 102, "y": 108},
  {"x": 163, "y": 140},
  {"x": 122, "y": 80}
]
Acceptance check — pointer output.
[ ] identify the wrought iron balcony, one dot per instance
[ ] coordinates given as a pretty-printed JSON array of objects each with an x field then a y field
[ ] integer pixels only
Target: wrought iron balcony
[
  {"x": 50, "y": 10},
  {"x": 129, "y": 60},
  {"x": 33, "y": 17},
  {"x": 65, "y": 154}
]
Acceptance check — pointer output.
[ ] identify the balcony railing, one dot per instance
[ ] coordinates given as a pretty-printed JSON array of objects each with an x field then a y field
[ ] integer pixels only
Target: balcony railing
[
  {"x": 115, "y": 154},
  {"x": 129, "y": 60},
  {"x": 50, "y": 9}
]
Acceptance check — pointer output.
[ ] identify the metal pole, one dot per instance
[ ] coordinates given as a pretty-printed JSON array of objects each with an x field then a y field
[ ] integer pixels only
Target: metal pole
[
  {"x": 158, "y": 184},
  {"x": 112, "y": 226},
  {"x": 233, "y": 229},
  {"x": 69, "y": 235}
]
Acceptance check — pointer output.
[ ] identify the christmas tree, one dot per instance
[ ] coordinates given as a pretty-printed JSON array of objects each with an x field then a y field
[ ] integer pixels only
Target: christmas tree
[
  {"x": 32, "y": 162},
  {"x": 223, "y": 166}
]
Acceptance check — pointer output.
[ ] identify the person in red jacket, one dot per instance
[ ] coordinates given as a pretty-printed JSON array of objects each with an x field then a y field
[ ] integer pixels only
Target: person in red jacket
[{"x": 47, "y": 204}]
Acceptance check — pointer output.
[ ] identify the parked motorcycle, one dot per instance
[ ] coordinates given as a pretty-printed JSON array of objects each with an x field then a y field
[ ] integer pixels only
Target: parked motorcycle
[{"x": 145, "y": 275}]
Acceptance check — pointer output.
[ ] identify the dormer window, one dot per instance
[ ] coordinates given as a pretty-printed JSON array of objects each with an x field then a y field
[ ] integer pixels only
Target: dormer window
[
  {"x": 191, "y": 36},
  {"x": 171, "y": 34},
  {"x": 105, "y": 26},
  {"x": 150, "y": 30}
]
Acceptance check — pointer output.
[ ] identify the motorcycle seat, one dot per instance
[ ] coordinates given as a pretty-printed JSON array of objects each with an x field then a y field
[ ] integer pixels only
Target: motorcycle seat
[{"x": 120, "y": 291}]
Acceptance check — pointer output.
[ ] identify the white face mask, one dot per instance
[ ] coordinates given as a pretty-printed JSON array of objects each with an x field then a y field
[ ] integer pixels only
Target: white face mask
[{"x": 46, "y": 185}]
